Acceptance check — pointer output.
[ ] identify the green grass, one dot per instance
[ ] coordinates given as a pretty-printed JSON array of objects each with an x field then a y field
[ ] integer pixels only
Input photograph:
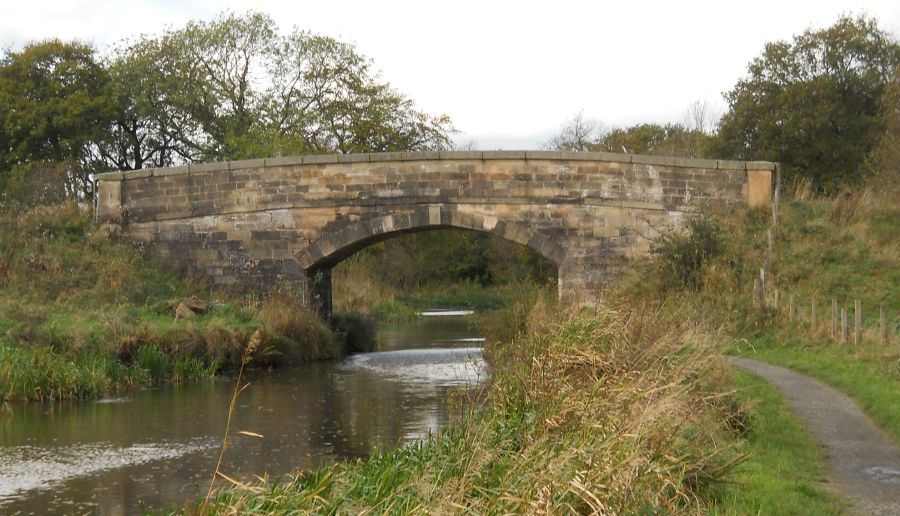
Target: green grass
[
  {"x": 782, "y": 472},
  {"x": 471, "y": 296}
]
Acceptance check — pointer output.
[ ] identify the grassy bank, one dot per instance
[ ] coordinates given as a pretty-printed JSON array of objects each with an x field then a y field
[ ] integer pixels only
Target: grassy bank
[
  {"x": 844, "y": 247},
  {"x": 594, "y": 411},
  {"x": 782, "y": 470},
  {"x": 82, "y": 315}
]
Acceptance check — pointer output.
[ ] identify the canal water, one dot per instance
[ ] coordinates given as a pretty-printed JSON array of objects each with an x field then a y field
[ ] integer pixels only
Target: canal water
[{"x": 158, "y": 447}]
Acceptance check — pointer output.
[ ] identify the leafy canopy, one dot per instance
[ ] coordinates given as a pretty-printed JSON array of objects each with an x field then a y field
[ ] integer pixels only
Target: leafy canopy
[
  {"x": 54, "y": 102},
  {"x": 229, "y": 88},
  {"x": 813, "y": 104},
  {"x": 235, "y": 88}
]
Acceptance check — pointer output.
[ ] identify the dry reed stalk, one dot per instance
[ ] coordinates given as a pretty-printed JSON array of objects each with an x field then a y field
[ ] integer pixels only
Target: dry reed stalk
[{"x": 252, "y": 345}]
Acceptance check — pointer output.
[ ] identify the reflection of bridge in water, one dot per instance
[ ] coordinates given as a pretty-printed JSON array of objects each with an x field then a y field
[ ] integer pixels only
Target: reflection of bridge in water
[{"x": 285, "y": 222}]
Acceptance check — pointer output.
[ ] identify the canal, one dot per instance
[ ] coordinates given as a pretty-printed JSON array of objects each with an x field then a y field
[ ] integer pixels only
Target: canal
[{"x": 157, "y": 447}]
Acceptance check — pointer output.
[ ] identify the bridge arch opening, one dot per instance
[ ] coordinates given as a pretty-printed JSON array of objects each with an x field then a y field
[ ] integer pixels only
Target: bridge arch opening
[{"x": 334, "y": 246}]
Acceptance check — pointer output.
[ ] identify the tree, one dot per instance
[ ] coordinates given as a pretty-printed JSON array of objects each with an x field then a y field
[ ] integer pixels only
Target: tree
[
  {"x": 577, "y": 134},
  {"x": 887, "y": 154},
  {"x": 54, "y": 102},
  {"x": 813, "y": 104},
  {"x": 326, "y": 97},
  {"x": 233, "y": 88},
  {"x": 151, "y": 127},
  {"x": 701, "y": 116},
  {"x": 655, "y": 139}
]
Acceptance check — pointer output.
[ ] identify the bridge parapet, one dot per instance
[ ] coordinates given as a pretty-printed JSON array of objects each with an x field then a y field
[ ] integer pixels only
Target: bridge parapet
[{"x": 255, "y": 224}]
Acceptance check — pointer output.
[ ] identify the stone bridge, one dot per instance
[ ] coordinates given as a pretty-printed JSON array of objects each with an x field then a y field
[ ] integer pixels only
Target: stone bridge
[{"x": 252, "y": 226}]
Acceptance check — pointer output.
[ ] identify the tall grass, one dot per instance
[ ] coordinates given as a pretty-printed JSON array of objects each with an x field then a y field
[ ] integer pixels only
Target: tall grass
[
  {"x": 592, "y": 411},
  {"x": 294, "y": 333}
]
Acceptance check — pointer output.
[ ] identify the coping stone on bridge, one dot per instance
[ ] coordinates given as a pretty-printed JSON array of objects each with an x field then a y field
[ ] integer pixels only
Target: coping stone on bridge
[{"x": 324, "y": 159}]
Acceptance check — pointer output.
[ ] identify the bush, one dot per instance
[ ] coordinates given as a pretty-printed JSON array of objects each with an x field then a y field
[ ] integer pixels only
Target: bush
[{"x": 681, "y": 255}]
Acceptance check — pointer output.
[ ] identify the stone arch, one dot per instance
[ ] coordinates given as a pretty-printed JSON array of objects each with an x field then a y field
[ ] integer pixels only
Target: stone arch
[{"x": 331, "y": 247}]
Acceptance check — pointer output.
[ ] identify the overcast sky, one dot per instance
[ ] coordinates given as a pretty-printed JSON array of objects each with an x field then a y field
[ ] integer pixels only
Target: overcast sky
[{"x": 508, "y": 73}]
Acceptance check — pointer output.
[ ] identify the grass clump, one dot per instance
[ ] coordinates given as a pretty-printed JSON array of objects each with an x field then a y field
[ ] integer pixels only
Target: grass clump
[
  {"x": 599, "y": 410},
  {"x": 295, "y": 334}
]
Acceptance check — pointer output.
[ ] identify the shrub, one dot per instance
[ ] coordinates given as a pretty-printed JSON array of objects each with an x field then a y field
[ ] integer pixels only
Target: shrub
[{"x": 681, "y": 254}]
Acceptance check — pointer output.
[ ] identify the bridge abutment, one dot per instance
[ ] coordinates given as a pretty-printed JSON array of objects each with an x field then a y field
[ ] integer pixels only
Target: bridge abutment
[{"x": 319, "y": 286}]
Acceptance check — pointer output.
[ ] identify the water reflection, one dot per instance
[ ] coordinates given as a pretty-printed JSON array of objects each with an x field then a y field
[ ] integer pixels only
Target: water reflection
[{"x": 159, "y": 446}]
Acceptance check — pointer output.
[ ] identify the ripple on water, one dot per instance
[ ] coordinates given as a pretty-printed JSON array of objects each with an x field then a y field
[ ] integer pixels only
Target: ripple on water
[
  {"x": 442, "y": 367},
  {"x": 23, "y": 468},
  {"x": 445, "y": 313}
]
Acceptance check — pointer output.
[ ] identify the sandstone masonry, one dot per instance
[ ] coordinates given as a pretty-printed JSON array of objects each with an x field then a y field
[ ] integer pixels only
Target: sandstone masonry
[{"x": 257, "y": 225}]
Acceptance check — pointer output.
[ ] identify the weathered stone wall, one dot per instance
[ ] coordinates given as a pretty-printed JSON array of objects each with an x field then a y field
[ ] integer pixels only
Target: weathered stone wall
[{"x": 279, "y": 223}]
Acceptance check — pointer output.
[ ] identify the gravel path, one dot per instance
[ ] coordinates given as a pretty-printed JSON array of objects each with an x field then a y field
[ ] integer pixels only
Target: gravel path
[{"x": 863, "y": 461}]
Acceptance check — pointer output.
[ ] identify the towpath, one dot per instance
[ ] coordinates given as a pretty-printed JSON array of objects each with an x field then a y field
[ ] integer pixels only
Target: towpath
[{"x": 863, "y": 461}]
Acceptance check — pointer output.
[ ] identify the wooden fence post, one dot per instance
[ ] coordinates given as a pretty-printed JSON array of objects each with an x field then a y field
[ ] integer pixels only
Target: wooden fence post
[
  {"x": 882, "y": 326},
  {"x": 834, "y": 319},
  {"x": 857, "y": 316},
  {"x": 844, "y": 329},
  {"x": 762, "y": 287},
  {"x": 791, "y": 308},
  {"x": 777, "y": 297},
  {"x": 812, "y": 317}
]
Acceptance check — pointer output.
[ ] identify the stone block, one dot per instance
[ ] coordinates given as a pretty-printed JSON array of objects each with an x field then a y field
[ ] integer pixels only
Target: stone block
[
  {"x": 199, "y": 168},
  {"x": 137, "y": 174},
  {"x": 460, "y": 155},
  {"x": 420, "y": 156},
  {"x": 696, "y": 163},
  {"x": 434, "y": 215},
  {"x": 760, "y": 165},
  {"x": 284, "y": 161},
  {"x": 384, "y": 156},
  {"x": 502, "y": 155},
  {"x": 361, "y": 157},
  {"x": 110, "y": 176},
  {"x": 724, "y": 164},
  {"x": 320, "y": 159},
  {"x": 640, "y": 159},
  {"x": 247, "y": 164},
  {"x": 759, "y": 187},
  {"x": 544, "y": 155}
]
